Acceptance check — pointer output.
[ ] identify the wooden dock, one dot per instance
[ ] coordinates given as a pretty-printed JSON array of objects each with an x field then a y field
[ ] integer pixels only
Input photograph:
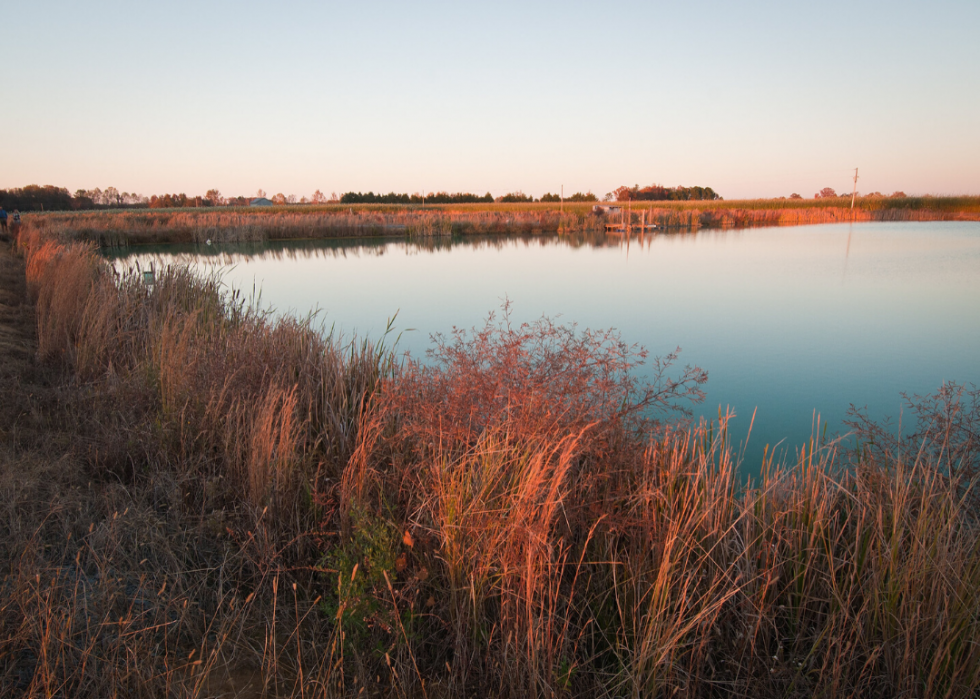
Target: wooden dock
[
  {"x": 621, "y": 228},
  {"x": 626, "y": 225}
]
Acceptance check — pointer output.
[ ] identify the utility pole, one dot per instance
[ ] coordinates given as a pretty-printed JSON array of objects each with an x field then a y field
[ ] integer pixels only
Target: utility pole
[{"x": 854, "y": 193}]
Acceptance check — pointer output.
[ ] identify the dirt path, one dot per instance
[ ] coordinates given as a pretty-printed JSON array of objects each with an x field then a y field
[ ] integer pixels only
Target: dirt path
[{"x": 18, "y": 372}]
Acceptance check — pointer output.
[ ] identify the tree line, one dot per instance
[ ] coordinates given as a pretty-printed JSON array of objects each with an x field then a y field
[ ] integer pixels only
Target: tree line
[
  {"x": 457, "y": 198},
  {"x": 656, "y": 192},
  {"x": 577, "y": 197},
  {"x": 36, "y": 198},
  {"x": 50, "y": 198},
  {"x": 431, "y": 198}
]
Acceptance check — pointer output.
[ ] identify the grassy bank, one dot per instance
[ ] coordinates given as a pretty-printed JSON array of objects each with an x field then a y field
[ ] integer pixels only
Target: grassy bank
[
  {"x": 129, "y": 227},
  {"x": 199, "y": 499}
]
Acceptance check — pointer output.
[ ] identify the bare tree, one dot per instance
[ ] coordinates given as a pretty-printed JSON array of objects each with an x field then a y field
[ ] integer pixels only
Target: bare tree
[
  {"x": 214, "y": 196},
  {"x": 318, "y": 197}
]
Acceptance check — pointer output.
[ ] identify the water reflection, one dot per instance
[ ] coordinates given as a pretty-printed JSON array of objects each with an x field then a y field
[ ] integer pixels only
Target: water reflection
[
  {"x": 795, "y": 322},
  {"x": 224, "y": 254}
]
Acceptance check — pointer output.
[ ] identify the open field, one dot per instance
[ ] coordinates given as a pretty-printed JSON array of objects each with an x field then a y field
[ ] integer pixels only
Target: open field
[
  {"x": 197, "y": 499},
  {"x": 144, "y": 226}
]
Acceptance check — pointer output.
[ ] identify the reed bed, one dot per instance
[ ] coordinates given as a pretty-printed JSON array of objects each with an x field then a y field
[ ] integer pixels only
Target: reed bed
[
  {"x": 252, "y": 507},
  {"x": 122, "y": 228}
]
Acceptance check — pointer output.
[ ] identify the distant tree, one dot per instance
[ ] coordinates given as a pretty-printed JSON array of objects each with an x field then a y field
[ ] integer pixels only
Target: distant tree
[
  {"x": 81, "y": 200},
  {"x": 170, "y": 201},
  {"x": 334, "y": 198},
  {"x": 214, "y": 196},
  {"x": 794, "y": 195},
  {"x": 279, "y": 199},
  {"x": 657, "y": 192},
  {"x": 291, "y": 199},
  {"x": 625, "y": 193},
  {"x": 550, "y": 197},
  {"x": 899, "y": 195},
  {"x": 515, "y": 197},
  {"x": 609, "y": 196},
  {"x": 260, "y": 193},
  {"x": 825, "y": 193},
  {"x": 318, "y": 197},
  {"x": 578, "y": 196}
]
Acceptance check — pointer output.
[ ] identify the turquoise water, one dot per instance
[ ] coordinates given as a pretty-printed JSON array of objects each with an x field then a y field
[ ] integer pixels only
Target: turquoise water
[{"x": 790, "y": 323}]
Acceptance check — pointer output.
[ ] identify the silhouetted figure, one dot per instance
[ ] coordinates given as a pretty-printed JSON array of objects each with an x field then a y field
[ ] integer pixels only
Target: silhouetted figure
[
  {"x": 15, "y": 224},
  {"x": 3, "y": 220}
]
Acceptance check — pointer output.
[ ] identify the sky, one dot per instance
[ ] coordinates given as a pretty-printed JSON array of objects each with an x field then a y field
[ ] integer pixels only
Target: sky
[{"x": 754, "y": 99}]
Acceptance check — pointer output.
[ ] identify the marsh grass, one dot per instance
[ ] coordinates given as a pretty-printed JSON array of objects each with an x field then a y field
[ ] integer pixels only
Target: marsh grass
[
  {"x": 109, "y": 229},
  {"x": 253, "y": 506}
]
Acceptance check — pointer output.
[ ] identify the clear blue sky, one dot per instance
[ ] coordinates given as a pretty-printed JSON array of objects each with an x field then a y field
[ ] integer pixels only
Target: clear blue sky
[{"x": 754, "y": 99}]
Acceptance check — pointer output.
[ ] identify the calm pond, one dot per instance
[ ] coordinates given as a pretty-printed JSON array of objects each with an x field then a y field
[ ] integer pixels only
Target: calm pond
[{"x": 791, "y": 322}]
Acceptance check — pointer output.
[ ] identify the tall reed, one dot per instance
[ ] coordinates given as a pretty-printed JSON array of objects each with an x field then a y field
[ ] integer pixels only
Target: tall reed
[{"x": 122, "y": 228}]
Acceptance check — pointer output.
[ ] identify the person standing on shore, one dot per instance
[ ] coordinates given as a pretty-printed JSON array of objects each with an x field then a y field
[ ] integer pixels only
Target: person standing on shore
[
  {"x": 15, "y": 224},
  {"x": 3, "y": 220}
]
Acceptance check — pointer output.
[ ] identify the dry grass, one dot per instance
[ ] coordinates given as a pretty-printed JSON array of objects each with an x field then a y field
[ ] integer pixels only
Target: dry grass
[
  {"x": 123, "y": 228},
  {"x": 220, "y": 504}
]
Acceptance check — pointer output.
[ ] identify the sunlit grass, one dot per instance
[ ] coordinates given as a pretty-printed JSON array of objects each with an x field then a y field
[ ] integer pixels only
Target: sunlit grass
[{"x": 131, "y": 227}]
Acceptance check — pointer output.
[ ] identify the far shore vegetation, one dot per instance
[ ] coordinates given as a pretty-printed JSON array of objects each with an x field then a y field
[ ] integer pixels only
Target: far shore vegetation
[
  {"x": 51, "y": 198},
  {"x": 122, "y": 227},
  {"x": 200, "y": 499}
]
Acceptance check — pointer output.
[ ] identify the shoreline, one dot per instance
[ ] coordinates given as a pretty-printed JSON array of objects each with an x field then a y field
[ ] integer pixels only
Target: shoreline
[{"x": 123, "y": 228}]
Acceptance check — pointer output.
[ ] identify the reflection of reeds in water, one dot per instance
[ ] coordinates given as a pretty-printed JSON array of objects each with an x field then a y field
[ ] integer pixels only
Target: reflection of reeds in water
[
  {"x": 251, "y": 501},
  {"x": 230, "y": 254}
]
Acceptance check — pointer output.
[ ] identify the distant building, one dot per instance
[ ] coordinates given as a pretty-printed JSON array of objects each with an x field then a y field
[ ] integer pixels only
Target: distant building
[
  {"x": 599, "y": 209},
  {"x": 260, "y": 201}
]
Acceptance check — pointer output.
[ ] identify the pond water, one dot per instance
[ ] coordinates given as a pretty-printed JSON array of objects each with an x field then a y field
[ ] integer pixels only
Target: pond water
[{"x": 790, "y": 323}]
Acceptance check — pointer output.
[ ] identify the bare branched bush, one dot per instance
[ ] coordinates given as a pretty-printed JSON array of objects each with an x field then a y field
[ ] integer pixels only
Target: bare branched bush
[
  {"x": 536, "y": 380},
  {"x": 944, "y": 432}
]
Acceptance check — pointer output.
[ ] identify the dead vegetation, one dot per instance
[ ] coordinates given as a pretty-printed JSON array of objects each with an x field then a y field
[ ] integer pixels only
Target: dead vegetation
[
  {"x": 199, "y": 500},
  {"x": 141, "y": 226}
]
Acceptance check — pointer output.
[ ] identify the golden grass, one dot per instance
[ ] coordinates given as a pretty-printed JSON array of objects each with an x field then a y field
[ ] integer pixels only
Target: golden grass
[
  {"x": 251, "y": 501},
  {"x": 122, "y": 228}
]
